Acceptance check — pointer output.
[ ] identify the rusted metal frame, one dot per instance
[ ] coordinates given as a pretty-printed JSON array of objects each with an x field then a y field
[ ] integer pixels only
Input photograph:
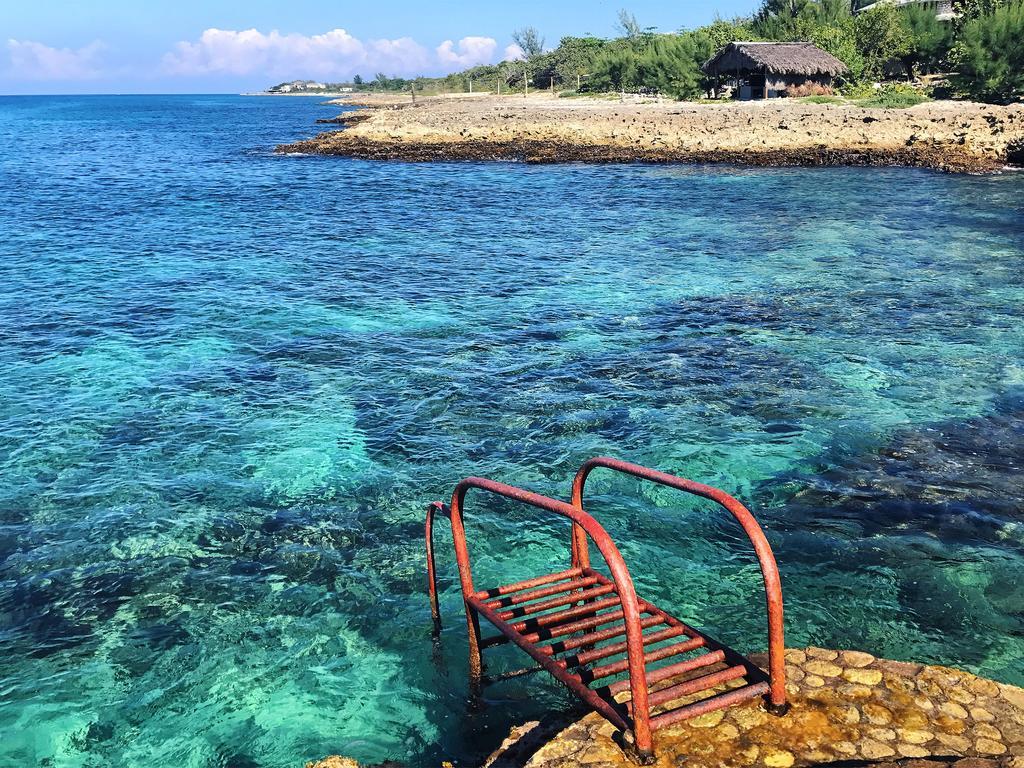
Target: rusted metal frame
[
  {"x": 537, "y": 622},
  {"x": 649, "y": 607},
  {"x": 721, "y": 701},
  {"x": 548, "y": 633},
  {"x": 696, "y": 685},
  {"x": 585, "y": 657},
  {"x": 537, "y": 581},
  {"x": 536, "y": 594},
  {"x": 765, "y": 557},
  {"x": 613, "y": 713},
  {"x": 559, "y": 646},
  {"x": 531, "y": 608},
  {"x": 435, "y": 610},
  {"x": 669, "y": 670},
  {"x": 623, "y": 585},
  {"x": 615, "y": 667},
  {"x": 732, "y": 657}
]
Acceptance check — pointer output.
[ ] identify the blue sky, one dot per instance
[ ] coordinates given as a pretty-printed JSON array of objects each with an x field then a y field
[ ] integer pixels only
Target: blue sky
[{"x": 216, "y": 46}]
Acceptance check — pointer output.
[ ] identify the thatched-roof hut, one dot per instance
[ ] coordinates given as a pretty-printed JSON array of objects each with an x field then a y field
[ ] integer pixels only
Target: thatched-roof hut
[{"x": 763, "y": 70}]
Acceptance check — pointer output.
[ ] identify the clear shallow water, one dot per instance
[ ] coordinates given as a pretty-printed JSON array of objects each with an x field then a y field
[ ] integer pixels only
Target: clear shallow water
[{"x": 230, "y": 382}]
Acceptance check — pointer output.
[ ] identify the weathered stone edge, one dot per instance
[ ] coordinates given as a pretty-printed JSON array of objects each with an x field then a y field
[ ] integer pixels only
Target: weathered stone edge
[{"x": 950, "y": 159}]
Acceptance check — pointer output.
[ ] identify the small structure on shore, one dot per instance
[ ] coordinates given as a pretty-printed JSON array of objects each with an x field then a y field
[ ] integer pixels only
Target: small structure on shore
[
  {"x": 944, "y": 10},
  {"x": 766, "y": 70}
]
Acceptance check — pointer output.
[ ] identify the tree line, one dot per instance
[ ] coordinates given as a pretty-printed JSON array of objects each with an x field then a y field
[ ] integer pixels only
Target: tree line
[{"x": 981, "y": 49}]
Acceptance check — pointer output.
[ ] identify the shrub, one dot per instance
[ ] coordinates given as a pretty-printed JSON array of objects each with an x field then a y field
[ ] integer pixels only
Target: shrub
[
  {"x": 667, "y": 64},
  {"x": 808, "y": 89},
  {"x": 894, "y": 96},
  {"x": 990, "y": 55}
]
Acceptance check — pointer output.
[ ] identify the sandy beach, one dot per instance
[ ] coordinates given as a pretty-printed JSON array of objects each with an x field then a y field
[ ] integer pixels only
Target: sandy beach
[{"x": 947, "y": 135}]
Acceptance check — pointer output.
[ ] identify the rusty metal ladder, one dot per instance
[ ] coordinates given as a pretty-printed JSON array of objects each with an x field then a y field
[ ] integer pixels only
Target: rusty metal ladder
[{"x": 560, "y": 618}]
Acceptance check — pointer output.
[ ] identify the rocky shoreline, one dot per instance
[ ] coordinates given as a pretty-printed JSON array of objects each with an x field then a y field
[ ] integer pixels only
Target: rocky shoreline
[
  {"x": 848, "y": 708},
  {"x": 540, "y": 151},
  {"x": 949, "y": 136}
]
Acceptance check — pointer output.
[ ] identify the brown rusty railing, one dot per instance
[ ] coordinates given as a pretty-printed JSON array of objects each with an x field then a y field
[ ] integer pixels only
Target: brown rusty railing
[
  {"x": 561, "y": 613},
  {"x": 763, "y": 550},
  {"x": 623, "y": 584}
]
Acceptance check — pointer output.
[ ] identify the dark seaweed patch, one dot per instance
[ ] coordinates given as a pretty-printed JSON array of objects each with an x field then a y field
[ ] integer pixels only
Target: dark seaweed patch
[{"x": 960, "y": 481}]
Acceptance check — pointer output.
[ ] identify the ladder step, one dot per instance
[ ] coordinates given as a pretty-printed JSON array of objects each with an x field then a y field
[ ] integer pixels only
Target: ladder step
[
  {"x": 605, "y": 634},
  {"x": 535, "y": 594},
  {"x": 656, "y": 655},
  {"x": 712, "y": 704},
  {"x": 486, "y": 594},
  {"x": 543, "y": 605},
  {"x": 586, "y": 657},
  {"x": 694, "y": 686},
  {"x": 557, "y": 618},
  {"x": 671, "y": 670},
  {"x": 572, "y": 627}
]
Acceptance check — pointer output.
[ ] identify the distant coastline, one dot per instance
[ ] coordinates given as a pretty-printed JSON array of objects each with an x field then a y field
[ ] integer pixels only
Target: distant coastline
[
  {"x": 324, "y": 94},
  {"x": 960, "y": 137}
]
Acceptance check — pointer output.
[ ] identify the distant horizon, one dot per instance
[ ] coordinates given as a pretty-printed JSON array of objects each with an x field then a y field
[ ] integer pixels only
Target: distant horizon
[
  {"x": 159, "y": 93},
  {"x": 119, "y": 48}
]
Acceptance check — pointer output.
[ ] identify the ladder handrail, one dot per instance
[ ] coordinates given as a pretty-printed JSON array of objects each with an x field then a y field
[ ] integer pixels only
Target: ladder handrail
[
  {"x": 616, "y": 565},
  {"x": 765, "y": 556}
]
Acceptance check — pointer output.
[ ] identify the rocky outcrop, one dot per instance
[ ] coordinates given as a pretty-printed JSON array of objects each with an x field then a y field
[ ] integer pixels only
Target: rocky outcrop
[
  {"x": 848, "y": 708},
  {"x": 951, "y": 136},
  {"x": 348, "y": 119}
]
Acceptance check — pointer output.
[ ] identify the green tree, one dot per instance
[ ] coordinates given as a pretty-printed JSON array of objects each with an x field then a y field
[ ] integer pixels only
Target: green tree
[
  {"x": 721, "y": 32},
  {"x": 928, "y": 39},
  {"x": 667, "y": 64},
  {"x": 972, "y": 9},
  {"x": 615, "y": 69},
  {"x": 529, "y": 40},
  {"x": 357, "y": 80},
  {"x": 783, "y": 20},
  {"x": 881, "y": 37},
  {"x": 990, "y": 55},
  {"x": 628, "y": 25},
  {"x": 840, "y": 39},
  {"x": 796, "y": 20},
  {"x": 574, "y": 58}
]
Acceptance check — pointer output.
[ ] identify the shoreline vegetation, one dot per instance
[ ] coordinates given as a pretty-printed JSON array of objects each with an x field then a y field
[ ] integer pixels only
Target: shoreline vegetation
[
  {"x": 655, "y": 96},
  {"x": 915, "y": 49},
  {"x": 962, "y": 137}
]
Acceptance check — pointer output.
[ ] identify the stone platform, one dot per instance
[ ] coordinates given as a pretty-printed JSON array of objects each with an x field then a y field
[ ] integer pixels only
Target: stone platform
[{"x": 848, "y": 709}]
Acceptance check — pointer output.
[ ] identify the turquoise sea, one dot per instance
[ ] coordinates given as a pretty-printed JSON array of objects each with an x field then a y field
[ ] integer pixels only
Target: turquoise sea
[{"x": 230, "y": 381}]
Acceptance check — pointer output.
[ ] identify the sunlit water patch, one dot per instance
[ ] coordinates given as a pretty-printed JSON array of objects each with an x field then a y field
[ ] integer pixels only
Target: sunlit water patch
[{"x": 232, "y": 380}]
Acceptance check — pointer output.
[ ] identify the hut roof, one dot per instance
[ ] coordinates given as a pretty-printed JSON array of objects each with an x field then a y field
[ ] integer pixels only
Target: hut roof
[{"x": 778, "y": 58}]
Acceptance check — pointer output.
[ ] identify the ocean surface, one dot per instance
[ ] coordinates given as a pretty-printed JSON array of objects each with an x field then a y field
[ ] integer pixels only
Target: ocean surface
[{"x": 230, "y": 381}]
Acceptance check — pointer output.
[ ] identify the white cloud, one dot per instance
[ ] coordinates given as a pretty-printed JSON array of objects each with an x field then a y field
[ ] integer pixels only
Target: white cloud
[
  {"x": 29, "y": 60},
  {"x": 514, "y": 53},
  {"x": 471, "y": 52},
  {"x": 332, "y": 54}
]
